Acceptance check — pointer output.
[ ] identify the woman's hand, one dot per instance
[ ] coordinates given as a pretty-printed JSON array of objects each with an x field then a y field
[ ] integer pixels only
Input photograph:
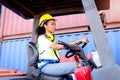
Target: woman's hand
[{"x": 84, "y": 40}]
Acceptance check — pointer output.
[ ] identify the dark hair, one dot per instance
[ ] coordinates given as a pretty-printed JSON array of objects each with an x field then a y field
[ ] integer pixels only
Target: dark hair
[{"x": 41, "y": 29}]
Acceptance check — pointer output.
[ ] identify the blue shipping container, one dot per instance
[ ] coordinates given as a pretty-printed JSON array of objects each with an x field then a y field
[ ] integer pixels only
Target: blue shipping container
[
  {"x": 114, "y": 41},
  {"x": 0, "y": 50},
  {"x": 13, "y": 53}
]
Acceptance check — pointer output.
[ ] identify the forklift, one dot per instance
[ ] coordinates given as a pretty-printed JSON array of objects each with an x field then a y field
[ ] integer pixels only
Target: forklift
[{"x": 26, "y": 9}]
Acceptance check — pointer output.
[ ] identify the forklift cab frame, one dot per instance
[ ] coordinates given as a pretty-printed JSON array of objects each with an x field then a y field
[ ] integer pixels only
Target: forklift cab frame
[{"x": 90, "y": 7}]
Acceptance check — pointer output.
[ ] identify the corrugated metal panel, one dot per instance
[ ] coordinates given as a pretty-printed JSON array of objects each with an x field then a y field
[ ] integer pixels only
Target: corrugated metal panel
[
  {"x": 74, "y": 22},
  {"x": 112, "y": 14},
  {"x": 0, "y": 51},
  {"x": 114, "y": 40},
  {"x": 71, "y": 21},
  {"x": 13, "y": 24},
  {"x": 14, "y": 54},
  {"x": 114, "y": 11}
]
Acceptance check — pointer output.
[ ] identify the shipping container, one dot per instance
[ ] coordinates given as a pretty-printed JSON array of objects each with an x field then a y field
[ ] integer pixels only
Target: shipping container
[
  {"x": 112, "y": 15},
  {"x": 78, "y": 22},
  {"x": 14, "y": 52},
  {"x": 114, "y": 41},
  {"x": 13, "y": 26},
  {"x": 0, "y": 50}
]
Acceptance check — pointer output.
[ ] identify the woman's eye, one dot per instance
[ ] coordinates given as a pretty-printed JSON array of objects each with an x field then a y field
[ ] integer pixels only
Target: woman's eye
[{"x": 54, "y": 24}]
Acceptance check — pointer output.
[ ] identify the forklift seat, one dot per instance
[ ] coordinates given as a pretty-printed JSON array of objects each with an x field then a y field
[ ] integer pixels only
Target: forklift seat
[{"x": 33, "y": 71}]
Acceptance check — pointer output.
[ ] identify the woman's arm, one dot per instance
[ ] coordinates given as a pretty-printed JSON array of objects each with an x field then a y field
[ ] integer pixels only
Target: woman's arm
[
  {"x": 60, "y": 47},
  {"x": 83, "y": 40},
  {"x": 57, "y": 46}
]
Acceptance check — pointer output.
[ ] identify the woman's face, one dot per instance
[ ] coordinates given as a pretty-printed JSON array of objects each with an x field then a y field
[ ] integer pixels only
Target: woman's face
[{"x": 50, "y": 26}]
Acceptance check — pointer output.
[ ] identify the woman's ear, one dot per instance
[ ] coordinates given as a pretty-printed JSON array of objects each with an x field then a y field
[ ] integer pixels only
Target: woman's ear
[{"x": 45, "y": 26}]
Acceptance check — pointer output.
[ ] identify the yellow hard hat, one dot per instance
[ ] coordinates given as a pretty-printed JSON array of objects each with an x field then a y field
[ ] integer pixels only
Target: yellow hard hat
[{"x": 45, "y": 17}]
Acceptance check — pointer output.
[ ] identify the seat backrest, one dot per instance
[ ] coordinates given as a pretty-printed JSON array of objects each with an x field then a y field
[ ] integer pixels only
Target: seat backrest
[
  {"x": 32, "y": 71},
  {"x": 32, "y": 54}
]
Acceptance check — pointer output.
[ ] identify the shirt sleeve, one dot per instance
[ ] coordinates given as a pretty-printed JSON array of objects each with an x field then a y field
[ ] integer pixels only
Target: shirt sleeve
[{"x": 44, "y": 43}]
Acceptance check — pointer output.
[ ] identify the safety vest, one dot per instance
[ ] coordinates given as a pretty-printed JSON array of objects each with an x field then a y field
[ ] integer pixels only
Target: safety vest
[{"x": 47, "y": 56}]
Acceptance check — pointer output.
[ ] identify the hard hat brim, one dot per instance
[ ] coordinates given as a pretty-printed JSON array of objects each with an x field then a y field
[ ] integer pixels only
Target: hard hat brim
[{"x": 46, "y": 20}]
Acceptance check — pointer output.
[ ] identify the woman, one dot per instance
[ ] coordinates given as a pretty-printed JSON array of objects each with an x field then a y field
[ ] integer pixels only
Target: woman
[{"x": 48, "y": 48}]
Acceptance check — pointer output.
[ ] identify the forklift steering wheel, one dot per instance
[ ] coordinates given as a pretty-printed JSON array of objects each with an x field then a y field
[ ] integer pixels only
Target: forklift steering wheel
[
  {"x": 69, "y": 54},
  {"x": 74, "y": 49}
]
